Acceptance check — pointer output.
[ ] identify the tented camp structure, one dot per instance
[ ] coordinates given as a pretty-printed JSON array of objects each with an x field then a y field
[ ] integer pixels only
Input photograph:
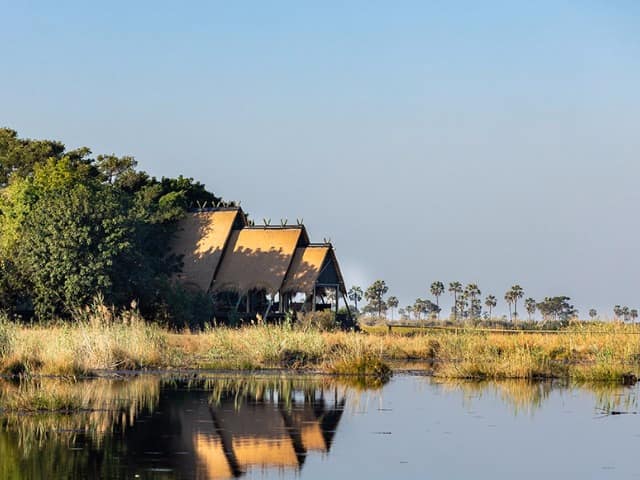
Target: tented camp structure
[{"x": 256, "y": 270}]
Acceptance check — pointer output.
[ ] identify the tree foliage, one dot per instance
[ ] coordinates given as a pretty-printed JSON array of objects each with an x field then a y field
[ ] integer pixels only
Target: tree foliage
[
  {"x": 557, "y": 308},
  {"x": 73, "y": 227},
  {"x": 375, "y": 296}
]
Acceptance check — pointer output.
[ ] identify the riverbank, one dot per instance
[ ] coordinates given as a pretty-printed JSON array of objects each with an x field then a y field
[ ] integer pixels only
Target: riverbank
[{"x": 594, "y": 352}]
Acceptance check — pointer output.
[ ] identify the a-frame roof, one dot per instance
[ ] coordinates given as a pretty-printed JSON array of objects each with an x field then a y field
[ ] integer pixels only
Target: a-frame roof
[
  {"x": 258, "y": 258},
  {"x": 200, "y": 240},
  {"x": 306, "y": 266}
]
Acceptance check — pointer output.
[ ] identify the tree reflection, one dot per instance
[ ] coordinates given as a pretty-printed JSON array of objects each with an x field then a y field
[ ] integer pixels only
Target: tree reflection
[{"x": 170, "y": 427}]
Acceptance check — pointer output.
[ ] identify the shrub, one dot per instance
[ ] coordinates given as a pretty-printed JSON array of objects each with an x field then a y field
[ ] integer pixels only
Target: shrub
[{"x": 325, "y": 321}]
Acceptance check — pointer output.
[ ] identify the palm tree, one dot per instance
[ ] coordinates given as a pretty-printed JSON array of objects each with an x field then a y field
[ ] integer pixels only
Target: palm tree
[
  {"x": 375, "y": 295},
  {"x": 490, "y": 302},
  {"x": 437, "y": 289},
  {"x": 392, "y": 302},
  {"x": 455, "y": 288},
  {"x": 471, "y": 292},
  {"x": 418, "y": 308},
  {"x": 625, "y": 313},
  {"x": 355, "y": 295},
  {"x": 530, "y": 305},
  {"x": 617, "y": 311},
  {"x": 508, "y": 297},
  {"x": 517, "y": 293},
  {"x": 593, "y": 313},
  {"x": 409, "y": 310}
]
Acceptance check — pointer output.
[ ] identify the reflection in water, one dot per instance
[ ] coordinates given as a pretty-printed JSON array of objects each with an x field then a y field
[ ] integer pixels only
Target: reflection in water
[
  {"x": 172, "y": 427},
  {"x": 522, "y": 396},
  {"x": 226, "y": 427}
]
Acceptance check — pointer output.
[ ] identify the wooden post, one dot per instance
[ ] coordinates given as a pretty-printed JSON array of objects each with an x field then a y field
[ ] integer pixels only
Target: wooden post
[{"x": 313, "y": 299}]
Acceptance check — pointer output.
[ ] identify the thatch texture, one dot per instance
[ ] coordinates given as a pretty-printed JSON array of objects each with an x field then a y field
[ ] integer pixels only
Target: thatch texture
[
  {"x": 257, "y": 258},
  {"x": 305, "y": 268},
  {"x": 201, "y": 239}
]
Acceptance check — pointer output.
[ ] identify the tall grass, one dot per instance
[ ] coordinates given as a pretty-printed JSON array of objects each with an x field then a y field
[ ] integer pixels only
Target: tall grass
[
  {"x": 102, "y": 340},
  {"x": 98, "y": 340},
  {"x": 7, "y": 336}
]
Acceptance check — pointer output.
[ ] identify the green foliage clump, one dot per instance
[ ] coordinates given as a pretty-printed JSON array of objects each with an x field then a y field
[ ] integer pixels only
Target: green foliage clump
[
  {"x": 185, "y": 308},
  {"x": 73, "y": 227}
]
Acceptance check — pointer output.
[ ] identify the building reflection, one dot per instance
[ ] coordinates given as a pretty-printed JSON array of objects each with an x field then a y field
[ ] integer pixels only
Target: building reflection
[
  {"x": 195, "y": 428},
  {"x": 262, "y": 430}
]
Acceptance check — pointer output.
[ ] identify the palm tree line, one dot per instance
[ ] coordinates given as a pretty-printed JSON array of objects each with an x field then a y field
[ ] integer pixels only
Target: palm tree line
[{"x": 468, "y": 304}]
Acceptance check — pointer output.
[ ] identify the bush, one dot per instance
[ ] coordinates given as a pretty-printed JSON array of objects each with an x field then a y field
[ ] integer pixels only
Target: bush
[
  {"x": 324, "y": 320},
  {"x": 187, "y": 308}
]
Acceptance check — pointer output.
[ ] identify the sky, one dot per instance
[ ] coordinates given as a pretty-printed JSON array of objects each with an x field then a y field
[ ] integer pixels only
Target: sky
[{"x": 492, "y": 142}]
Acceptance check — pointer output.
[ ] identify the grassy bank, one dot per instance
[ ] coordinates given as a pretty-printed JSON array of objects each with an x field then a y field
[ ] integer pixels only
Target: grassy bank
[{"x": 590, "y": 353}]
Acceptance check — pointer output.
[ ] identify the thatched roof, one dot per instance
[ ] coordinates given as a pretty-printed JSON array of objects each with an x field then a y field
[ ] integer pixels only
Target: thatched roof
[
  {"x": 258, "y": 258},
  {"x": 331, "y": 271},
  {"x": 305, "y": 268},
  {"x": 201, "y": 239}
]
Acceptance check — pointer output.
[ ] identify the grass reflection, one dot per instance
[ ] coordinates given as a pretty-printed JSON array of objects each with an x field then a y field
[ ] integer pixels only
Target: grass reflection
[
  {"x": 526, "y": 397},
  {"x": 222, "y": 427}
]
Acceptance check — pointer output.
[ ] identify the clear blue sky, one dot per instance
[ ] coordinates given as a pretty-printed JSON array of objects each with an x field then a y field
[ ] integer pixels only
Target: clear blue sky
[{"x": 489, "y": 142}]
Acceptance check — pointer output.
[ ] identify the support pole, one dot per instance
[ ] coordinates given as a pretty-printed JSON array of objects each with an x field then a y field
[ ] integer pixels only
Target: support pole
[
  {"x": 313, "y": 299},
  {"x": 266, "y": 313}
]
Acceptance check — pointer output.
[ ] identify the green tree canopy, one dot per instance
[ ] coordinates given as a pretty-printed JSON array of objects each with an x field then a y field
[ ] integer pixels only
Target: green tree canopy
[
  {"x": 375, "y": 296},
  {"x": 72, "y": 227}
]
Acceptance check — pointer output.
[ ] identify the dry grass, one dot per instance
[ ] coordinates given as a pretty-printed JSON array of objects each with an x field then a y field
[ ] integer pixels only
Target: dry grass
[
  {"x": 101, "y": 341},
  {"x": 582, "y": 352}
]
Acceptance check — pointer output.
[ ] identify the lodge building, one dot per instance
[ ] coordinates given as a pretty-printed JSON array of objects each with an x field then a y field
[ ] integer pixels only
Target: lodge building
[{"x": 252, "y": 271}]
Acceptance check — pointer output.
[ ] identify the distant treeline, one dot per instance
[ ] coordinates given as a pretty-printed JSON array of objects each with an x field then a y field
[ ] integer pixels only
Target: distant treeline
[
  {"x": 74, "y": 227},
  {"x": 469, "y": 304}
]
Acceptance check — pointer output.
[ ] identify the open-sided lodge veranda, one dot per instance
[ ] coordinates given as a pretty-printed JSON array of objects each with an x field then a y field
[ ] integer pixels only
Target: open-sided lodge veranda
[{"x": 258, "y": 271}]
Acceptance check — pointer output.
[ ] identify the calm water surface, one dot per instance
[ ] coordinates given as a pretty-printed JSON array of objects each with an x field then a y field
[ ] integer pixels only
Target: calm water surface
[{"x": 216, "y": 427}]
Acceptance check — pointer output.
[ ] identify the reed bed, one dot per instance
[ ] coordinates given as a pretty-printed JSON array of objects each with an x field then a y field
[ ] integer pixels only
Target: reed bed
[{"x": 102, "y": 341}]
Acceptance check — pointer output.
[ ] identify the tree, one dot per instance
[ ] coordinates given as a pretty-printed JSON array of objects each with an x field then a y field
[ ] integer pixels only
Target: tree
[
  {"x": 516, "y": 293},
  {"x": 634, "y": 314},
  {"x": 419, "y": 308},
  {"x": 455, "y": 288},
  {"x": 593, "y": 313},
  {"x": 508, "y": 297},
  {"x": 409, "y": 310},
  {"x": 72, "y": 231},
  {"x": 375, "y": 296},
  {"x": 18, "y": 156},
  {"x": 490, "y": 302},
  {"x": 530, "y": 305},
  {"x": 392, "y": 303},
  {"x": 355, "y": 295},
  {"x": 437, "y": 289},
  {"x": 72, "y": 227},
  {"x": 625, "y": 313},
  {"x": 472, "y": 292},
  {"x": 433, "y": 308},
  {"x": 557, "y": 307},
  {"x": 617, "y": 311},
  {"x": 112, "y": 167}
]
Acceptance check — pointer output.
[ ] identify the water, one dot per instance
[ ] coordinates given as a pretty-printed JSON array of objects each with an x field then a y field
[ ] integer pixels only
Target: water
[{"x": 215, "y": 427}]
